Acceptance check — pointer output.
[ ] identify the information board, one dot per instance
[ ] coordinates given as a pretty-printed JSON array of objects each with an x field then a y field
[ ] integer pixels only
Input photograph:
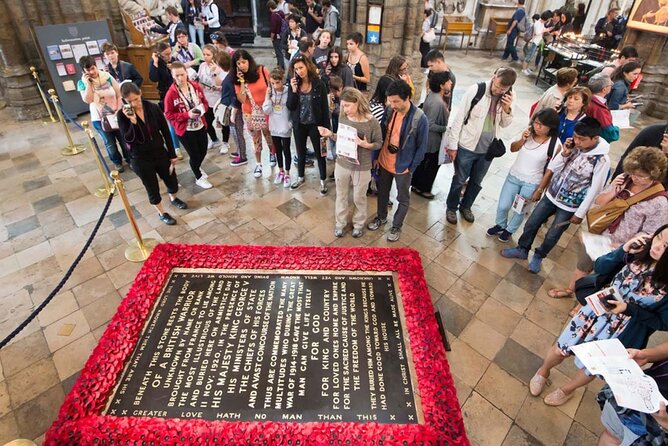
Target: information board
[
  {"x": 275, "y": 346},
  {"x": 61, "y": 47}
]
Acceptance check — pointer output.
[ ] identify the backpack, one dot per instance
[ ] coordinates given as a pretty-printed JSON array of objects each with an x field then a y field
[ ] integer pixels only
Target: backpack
[
  {"x": 284, "y": 24},
  {"x": 529, "y": 33},
  {"x": 523, "y": 25},
  {"x": 337, "y": 33},
  {"x": 550, "y": 151},
  {"x": 478, "y": 95}
]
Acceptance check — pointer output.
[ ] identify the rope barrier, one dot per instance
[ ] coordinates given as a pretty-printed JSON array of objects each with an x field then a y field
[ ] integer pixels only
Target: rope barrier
[
  {"x": 100, "y": 157},
  {"x": 62, "y": 282},
  {"x": 68, "y": 117}
]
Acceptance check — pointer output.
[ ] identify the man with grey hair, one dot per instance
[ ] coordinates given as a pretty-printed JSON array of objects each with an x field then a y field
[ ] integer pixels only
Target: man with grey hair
[{"x": 600, "y": 85}]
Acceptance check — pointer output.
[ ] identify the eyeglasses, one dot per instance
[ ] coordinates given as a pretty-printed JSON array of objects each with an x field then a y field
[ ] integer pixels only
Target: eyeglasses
[{"x": 640, "y": 177}]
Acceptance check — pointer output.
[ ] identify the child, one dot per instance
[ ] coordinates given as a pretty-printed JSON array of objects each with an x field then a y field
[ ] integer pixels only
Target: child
[
  {"x": 579, "y": 174},
  {"x": 279, "y": 123},
  {"x": 335, "y": 87}
]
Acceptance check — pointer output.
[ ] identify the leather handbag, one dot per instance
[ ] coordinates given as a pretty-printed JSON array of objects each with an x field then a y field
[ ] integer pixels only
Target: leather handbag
[{"x": 602, "y": 217}]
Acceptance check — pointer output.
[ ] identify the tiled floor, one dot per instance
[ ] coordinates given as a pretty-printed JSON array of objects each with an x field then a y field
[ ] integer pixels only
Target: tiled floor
[{"x": 499, "y": 317}]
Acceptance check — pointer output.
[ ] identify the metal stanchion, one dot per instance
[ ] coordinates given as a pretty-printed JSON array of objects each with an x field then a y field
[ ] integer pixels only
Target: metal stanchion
[
  {"x": 108, "y": 188},
  {"x": 139, "y": 249},
  {"x": 33, "y": 70},
  {"x": 71, "y": 149}
]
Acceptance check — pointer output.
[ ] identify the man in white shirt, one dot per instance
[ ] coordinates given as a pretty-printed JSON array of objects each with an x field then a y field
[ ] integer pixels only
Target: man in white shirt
[{"x": 532, "y": 45}]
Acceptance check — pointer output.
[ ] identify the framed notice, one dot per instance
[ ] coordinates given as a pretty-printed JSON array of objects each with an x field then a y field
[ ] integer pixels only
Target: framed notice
[
  {"x": 649, "y": 15},
  {"x": 374, "y": 24},
  {"x": 61, "y": 47}
]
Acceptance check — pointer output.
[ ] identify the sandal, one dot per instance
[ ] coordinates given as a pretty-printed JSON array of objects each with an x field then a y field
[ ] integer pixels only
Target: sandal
[
  {"x": 557, "y": 398},
  {"x": 560, "y": 293}
]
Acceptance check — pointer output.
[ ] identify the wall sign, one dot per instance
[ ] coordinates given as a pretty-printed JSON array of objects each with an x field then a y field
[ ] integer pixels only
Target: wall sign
[{"x": 373, "y": 24}]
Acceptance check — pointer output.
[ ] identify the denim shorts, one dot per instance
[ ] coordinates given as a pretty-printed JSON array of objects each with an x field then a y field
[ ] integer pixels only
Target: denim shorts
[{"x": 610, "y": 419}]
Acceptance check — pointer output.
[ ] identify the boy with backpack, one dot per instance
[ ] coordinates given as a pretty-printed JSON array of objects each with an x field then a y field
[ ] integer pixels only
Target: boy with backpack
[
  {"x": 533, "y": 38},
  {"x": 579, "y": 174},
  {"x": 517, "y": 24},
  {"x": 277, "y": 26}
]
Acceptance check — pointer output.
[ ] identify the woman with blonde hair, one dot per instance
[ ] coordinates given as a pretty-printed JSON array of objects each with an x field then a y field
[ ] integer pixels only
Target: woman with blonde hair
[{"x": 357, "y": 120}]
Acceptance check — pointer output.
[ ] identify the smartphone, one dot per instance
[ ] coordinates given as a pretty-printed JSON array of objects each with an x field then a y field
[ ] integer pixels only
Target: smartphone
[
  {"x": 127, "y": 108},
  {"x": 606, "y": 302}
]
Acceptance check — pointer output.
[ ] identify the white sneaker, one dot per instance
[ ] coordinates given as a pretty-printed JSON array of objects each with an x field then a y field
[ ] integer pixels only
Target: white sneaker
[
  {"x": 257, "y": 173},
  {"x": 203, "y": 183},
  {"x": 204, "y": 175},
  {"x": 210, "y": 145},
  {"x": 224, "y": 148},
  {"x": 272, "y": 160},
  {"x": 279, "y": 178},
  {"x": 286, "y": 181}
]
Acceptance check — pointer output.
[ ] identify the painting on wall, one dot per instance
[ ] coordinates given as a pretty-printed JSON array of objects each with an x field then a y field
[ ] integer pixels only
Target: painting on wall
[{"x": 650, "y": 15}]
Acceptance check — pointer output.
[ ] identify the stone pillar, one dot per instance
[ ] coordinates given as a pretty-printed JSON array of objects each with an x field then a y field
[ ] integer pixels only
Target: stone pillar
[
  {"x": 654, "y": 84},
  {"x": 400, "y": 35},
  {"x": 16, "y": 83}
]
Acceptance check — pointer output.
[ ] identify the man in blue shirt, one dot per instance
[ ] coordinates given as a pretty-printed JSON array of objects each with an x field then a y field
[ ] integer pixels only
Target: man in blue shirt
[{"x": 513, "y": 31}]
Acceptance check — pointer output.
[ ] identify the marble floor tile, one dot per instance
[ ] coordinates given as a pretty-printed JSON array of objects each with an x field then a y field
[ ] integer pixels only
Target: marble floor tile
[
  {"x": 467, "y": 364},
  {"x": 518, "y": 437},
  {"x": 71, "y": 358},
  {"x": 518, "y": 361},
  {"x": 549, "y": 425},
  {"x": 66, "y": 330},
  {"x": 32, "y": 381},
  {"x": 455, "y": 317},
  {"x": 23, "y": 353},
  {"x": 46, "y": 405},
  {"x": 483, "y": 338},
  {"x": 485, "y": 424},
  {"x": 498, "y": 316},
  {"x": 502, "y": 390},
  {"x": 9, "y": 429}
]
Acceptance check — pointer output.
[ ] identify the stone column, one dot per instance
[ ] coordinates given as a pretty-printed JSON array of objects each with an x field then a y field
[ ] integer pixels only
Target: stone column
[
  {"x": 400, "y": 35},
  {"x": 16, "y": 83},
  {"x": 650, "y": 47}
]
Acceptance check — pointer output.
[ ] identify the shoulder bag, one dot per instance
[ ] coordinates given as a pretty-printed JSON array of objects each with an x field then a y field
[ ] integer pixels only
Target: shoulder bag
[{"x": 602, "y": 217}]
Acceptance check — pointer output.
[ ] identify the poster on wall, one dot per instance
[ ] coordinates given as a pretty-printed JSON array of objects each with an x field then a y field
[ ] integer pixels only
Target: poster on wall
[
  {"x": 649, "y": 15},
  {"x": 62, "y": 46}
]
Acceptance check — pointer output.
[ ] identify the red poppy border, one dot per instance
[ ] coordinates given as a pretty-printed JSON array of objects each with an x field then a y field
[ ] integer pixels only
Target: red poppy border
[{"x": 78, "y": 420}]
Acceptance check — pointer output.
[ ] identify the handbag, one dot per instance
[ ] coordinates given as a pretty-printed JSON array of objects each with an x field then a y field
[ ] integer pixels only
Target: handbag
[
  {"x": 495, "y": 150},
  {"x": 602, "y": 217},
  {"x": 110, "y": 122},
  {"x": 429, "y": 36},
  {"x": 257, "y": 120}
]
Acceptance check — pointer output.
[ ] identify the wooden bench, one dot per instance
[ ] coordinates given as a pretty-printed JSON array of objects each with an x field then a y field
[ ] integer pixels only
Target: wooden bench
[
  {"x": 497, "y": 26},
  {"x": 456, "y": 25}
]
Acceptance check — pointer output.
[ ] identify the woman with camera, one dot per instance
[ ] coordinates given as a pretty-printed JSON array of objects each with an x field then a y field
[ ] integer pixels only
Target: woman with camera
[
  {"x": 644, "y": 169},
  {"x": 639, "y": 271},
  {"x": 185, "y": 106},
  {"x": 144, "y": 128},
  {"x": 309, "y": 109}
]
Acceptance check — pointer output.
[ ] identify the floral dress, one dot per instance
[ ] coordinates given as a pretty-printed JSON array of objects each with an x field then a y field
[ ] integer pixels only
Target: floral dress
[{"x": 634, "y": 283}]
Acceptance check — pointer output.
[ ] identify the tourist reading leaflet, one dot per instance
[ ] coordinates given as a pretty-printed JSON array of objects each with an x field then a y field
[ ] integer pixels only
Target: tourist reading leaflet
[{"x": 579, "y": 174}]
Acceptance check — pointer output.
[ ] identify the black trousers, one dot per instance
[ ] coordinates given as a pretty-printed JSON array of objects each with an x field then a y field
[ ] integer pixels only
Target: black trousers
[
  {"x": 424, "y": 49},
  {"x": 302, "y": 132},
  {"x": 283, "y": 155},
  {"x": 210, "y": 129},
  {"x": 195, "y": 143},
  {"x": 425, "y": 175},
  {"x": 149, "y": 171}
]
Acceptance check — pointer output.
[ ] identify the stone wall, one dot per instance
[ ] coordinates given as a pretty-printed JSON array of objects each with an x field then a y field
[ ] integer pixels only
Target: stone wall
[
  {"x": 654, "y": 85},
  {"x": 18, "y": 50}
]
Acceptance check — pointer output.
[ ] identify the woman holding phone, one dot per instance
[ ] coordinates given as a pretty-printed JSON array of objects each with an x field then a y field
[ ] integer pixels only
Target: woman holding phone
[
  {"x": 144, "y": 128},
  {"x": 640, "y": 277},
  {"x": 185, "y": 106},
  {"x": 309, "y": 109}
]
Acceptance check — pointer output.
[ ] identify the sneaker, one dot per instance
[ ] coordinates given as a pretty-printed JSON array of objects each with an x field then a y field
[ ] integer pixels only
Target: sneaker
[
  {"x": 210, "y": 145},
  {"x": 179, "y": 155},
  {"x": 203, "y": 183},
  {"x": 234, "y": 154},
  {"x": 451, "y": 216},
  {"x": 394, "y": 234},
  {"x": 323, "y": 188},
  {"x": 357, "y": 233},
  {"x": 119, "y": 168},
  {"x": 257, "y": 173},
  {"x": 180, "y": 204},
  {"x": 494, "y": 230},
  {"x": 376, "y": 224},
  {"x": 204, "y": 174},
  {"x": 504, "y": 236},
  {"x": 238, "y": 161},
  {"x": 272, "y": 160},
  {"x": 526, "y": 72},
  {"x": 167, "y": 219},
  {"x": 467, "y": 215},
  {"x": 286, "y": 181},
  {"x": 224, "y": 148},
  {"x": 515, "y": 253},
  {"x": 338, "y": 232},
  {"x": 297, "y": 183},
  {"x": 279, "y": 178},
  {"x": 534, "y": 264}
]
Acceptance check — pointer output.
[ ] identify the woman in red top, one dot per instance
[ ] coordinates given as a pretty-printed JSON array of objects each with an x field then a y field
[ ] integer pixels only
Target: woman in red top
[
  {"x": 250, "y": 84},
  {"x": 185, "y": 106}
]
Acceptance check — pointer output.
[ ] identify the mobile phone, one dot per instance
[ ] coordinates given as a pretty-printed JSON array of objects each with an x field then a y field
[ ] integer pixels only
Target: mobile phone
[
  {"x": 197, "y": 111},
  {"x": 127, "y": 108},
  {"x": 606, "y": 302}
]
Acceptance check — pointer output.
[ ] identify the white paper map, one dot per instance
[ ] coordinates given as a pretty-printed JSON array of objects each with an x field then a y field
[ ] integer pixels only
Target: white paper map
[
  {"x": 346, "y": 142},
  {"x": 631, "y": 387}
]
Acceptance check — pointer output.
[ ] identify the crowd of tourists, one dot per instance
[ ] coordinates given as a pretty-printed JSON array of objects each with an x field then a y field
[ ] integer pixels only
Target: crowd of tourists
[{"x": 320, "y": 94}]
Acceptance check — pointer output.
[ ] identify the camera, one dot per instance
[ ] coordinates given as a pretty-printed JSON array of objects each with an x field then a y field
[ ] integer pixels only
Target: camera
[{"x": 392, "y": 149}]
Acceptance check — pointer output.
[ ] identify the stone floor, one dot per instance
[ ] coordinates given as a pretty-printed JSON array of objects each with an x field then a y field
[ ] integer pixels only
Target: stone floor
[{"x": 499, "y": 318}]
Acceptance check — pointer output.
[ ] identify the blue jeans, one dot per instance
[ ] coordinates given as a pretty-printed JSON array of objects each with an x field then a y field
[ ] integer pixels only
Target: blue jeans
[
  {"x": 278, "y": 49},
  {"x": 510, "y": 47},
  {"x": 199, "y": 32},
  {"x": 175, "y": 137},
  {"x": 530, "y": 52},
  {"x": 468, "y": 166},
  {"x": 109, "y": 139},
  {"x": 543, "y": 211},
  {"x": 512, "y": 187}
]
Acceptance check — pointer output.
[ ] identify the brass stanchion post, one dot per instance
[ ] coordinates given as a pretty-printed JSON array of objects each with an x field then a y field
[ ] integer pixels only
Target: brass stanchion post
[
  {"x": 71, "y": 149},
  {"x": 140, "y": 249},
  {"x": 33, "y": 70},
  {"x": 108, "y": 188}
]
